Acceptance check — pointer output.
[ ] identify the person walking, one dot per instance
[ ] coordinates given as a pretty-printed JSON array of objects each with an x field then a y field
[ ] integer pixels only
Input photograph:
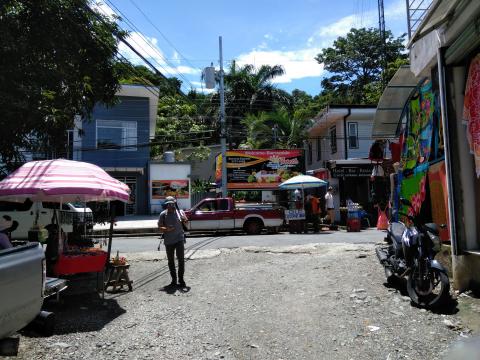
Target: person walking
[
  {"x": 329, "y": 205},
  {"x": 170, "y": 224}
]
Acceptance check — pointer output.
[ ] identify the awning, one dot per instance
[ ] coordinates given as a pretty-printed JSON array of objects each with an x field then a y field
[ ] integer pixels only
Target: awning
[{"x": 392, "y": 103}]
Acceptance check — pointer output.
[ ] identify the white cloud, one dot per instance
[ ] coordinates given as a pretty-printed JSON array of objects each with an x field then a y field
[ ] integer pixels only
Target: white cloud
[
  {"x": 200, "y": 87},
  {"x": 148, "y": 48},
  {"x": 301, "y": 63},
  {"x": 298, "y": 64}
]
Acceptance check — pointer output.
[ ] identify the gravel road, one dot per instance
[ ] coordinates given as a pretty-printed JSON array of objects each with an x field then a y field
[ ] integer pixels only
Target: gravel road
[{"x": 322, "y": 301}]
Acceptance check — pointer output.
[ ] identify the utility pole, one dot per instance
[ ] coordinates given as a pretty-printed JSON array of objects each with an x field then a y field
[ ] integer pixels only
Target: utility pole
[
  {"x": 275, "y": 135},
  {"x": 381, "y": 29},
  {"x": 223, "y": 135}
]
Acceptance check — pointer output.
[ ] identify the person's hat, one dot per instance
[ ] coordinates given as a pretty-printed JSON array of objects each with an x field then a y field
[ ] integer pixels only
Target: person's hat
[
  {"x": 330, "y": 188},
  {"x": 5, "y": 222},
  {"x": 169, "y": 200}
]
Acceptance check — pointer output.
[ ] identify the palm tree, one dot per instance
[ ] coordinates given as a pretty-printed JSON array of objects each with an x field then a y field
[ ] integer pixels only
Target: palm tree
[
  {"x": 249, "y": 90},
  {"x": 290, "y": 129}
]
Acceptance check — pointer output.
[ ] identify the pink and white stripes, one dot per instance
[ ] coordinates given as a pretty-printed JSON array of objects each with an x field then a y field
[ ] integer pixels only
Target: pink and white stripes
[{"x": 62, "y": 180}]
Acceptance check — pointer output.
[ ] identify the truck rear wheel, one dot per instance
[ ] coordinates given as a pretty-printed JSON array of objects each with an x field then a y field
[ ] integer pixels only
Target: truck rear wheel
[{"x": 253, "y": 226}]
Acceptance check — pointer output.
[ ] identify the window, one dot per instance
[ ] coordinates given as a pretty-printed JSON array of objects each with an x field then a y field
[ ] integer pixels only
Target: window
[
  {"x": 116, "y": 134},
  {"x": 16, "y": 206},
  {"x": 319, "y": 149},
  {"x": 353, "y": 135},
  {"x": 209, "y": 205},
  {"x": 333, "y": 139},
  {"x": 309, "y": 154},
  {"x": 223, "y": 205}
]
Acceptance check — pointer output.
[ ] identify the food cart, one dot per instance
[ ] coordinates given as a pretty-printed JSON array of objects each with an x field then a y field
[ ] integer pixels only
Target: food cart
[
  {"x": 296, "y": 217},
  {"x": 65, "y": 181}
]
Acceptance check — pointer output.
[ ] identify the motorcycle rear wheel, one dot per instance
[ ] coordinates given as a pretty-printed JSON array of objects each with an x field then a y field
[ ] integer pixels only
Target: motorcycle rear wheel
[{"x": 437, "y": 293}]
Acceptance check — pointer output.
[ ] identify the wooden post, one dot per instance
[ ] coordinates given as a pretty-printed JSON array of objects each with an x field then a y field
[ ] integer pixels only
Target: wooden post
[{"x": 110, "y": 233}]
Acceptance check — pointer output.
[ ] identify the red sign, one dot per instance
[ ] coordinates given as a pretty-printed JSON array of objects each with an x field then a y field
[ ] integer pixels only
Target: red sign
[{"x": 261, "y": 169}]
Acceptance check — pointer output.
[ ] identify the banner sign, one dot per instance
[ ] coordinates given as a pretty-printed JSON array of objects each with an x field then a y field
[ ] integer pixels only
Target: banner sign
[
  {"x": 296, "y": 214},
  {"x": 340, "y": 171},
  {"x": 261, "y": 169},
  {"x": 176, "y": 188}
]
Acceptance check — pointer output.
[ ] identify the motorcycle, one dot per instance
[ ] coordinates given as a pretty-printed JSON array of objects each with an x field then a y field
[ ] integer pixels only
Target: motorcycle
[{"x": 410, "y": 253}]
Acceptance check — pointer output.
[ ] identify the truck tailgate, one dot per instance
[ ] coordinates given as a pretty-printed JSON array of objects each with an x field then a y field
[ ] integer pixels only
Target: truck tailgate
[{"x": 21, "y": 280}]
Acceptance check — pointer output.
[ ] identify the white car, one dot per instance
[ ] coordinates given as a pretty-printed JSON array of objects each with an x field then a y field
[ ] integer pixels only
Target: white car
[{"x": 71, "y": 217}]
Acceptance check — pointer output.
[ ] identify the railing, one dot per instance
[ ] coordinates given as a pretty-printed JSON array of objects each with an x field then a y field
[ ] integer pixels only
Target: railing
[{"x": 416, "y": 12}]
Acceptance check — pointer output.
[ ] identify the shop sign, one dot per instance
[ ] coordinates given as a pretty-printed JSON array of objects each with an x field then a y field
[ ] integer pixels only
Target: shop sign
[
  {"x": 295, "y": 214},
  {"x": 351, "y": 171},
  {"x": 260, "y": 169},
  {"x": 176, "y": 188}
]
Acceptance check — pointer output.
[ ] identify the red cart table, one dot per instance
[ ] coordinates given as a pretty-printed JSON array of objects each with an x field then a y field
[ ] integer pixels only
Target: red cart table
[{"x": 80, "y": 261}]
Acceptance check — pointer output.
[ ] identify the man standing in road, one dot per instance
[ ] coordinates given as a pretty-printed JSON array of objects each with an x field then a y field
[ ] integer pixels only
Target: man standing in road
[
  {"x": 170, "y": 224},
  {"x": 330, "y": 207}
]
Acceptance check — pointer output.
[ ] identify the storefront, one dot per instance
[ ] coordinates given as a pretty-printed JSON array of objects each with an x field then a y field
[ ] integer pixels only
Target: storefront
[
  {"x": 351, "y": 178},
  {"x": 442, "y": 130}
]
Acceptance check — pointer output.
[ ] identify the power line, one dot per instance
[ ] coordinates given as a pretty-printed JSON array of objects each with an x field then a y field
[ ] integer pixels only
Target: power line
[
  {"x": 156, "y": 28},
  {"x": 135, "y": 28}
]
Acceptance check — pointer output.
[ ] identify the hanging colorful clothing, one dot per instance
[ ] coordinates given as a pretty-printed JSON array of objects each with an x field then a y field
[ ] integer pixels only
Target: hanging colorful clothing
[
  {"x": 471, "y": 110},
  {"x": 438, "y": 196},
  {"x": 418, "y": 139},
  {"x": 413, "y": 189}
]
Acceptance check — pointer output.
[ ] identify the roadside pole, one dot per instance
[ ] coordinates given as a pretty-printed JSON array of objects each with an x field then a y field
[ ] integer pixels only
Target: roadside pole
[{"x": 223, "y": 140}]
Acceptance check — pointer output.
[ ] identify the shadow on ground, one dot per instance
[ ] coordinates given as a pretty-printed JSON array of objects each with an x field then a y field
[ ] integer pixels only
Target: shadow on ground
[{"x": 80, "y": 309}]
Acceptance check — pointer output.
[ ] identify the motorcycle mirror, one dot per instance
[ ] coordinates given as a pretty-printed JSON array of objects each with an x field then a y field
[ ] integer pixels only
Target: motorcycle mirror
[{"x": 405, "y": 202}]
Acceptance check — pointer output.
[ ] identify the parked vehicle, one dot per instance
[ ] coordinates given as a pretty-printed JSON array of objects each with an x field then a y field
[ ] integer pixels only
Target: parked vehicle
[
  {"x": 24, "y": 287},
  {"x": 72, "y": 217},
  {"x": 223, "y": 214},
  {"x": 410, "y": 254}
]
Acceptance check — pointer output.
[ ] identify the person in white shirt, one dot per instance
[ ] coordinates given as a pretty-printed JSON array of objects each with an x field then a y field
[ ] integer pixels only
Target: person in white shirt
[{"x": 329, "y": 205}]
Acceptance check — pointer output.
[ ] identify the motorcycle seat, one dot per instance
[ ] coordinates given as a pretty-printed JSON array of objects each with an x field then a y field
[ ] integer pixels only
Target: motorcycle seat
[
  {"x": 433, "y": 228},
  {"x": 396, "y": 231}
]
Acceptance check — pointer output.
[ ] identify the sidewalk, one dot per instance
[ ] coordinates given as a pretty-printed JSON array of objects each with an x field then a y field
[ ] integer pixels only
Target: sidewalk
[{"x": 132, "y": 224}]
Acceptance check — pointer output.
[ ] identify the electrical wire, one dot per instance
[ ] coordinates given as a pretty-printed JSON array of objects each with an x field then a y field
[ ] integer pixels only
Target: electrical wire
[
  {"x": 127, "y": 21},
  {"x": 164, "y": 37}
]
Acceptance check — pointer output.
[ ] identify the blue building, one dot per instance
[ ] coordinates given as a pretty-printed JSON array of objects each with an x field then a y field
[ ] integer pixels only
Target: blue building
[{"x": 117, "y": 139}]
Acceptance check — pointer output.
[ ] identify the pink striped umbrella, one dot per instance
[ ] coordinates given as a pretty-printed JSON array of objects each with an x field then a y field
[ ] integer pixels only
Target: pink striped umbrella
[{"x": 62, "y": 181}]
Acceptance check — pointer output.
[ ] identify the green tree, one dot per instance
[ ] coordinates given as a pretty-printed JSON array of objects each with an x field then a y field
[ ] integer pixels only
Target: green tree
[
  {"x": 249, "y": 90},
  {"x": 57, "y": 60},
  {"x": 355, "y": 62},
  {"x": 277, "y": 129},
  {"x": 181, "y": 124},
  {"x": 139, "y": 74}
]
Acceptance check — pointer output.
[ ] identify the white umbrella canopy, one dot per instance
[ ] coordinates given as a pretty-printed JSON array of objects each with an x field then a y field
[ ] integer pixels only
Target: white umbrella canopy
[{"x": 303, "y": 182}]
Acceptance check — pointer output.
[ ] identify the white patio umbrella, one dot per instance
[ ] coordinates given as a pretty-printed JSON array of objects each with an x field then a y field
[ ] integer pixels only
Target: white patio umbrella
[{"x": 302, "y": 182}]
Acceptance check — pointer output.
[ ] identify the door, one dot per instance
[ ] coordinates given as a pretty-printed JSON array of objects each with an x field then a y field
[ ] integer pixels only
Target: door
[
  {"x": 129, "y": 208},
  {"x": 205, "y": 216},
  {"x": 226, "y": 216}
]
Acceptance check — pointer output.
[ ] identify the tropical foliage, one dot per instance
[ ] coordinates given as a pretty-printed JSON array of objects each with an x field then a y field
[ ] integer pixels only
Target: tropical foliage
[
  {"x": 356, "y": 62},
  {"x": 57, "y": 60}
]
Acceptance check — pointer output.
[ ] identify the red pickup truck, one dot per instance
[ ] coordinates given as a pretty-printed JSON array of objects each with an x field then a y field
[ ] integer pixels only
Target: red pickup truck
[{"x": 223, "y": 214}]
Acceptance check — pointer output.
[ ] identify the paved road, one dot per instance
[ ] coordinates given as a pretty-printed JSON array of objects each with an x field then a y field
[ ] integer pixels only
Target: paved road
[{"x": 140, "y": 244}]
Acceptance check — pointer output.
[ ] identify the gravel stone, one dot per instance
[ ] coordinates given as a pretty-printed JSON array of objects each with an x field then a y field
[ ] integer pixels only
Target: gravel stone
[{"x": 321, "y": 301}]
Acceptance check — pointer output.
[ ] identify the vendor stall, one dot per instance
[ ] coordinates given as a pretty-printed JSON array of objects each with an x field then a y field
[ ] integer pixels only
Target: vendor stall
[
  {"x": 296, "y": 217},
  {"x": 65, "y": 181}
]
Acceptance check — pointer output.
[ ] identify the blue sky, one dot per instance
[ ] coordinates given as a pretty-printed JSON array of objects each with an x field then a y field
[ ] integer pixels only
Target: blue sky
[{"x": 181, "y": 37}]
